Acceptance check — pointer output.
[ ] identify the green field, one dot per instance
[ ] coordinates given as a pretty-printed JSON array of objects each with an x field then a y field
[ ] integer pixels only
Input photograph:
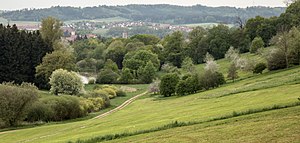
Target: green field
[
  {"x": 105, "y": 20},
  {"x": 100, "y": 31},
  {"x": 257, "y": 92},
  {"x": 274, "y": 126},
  {"x": 205, "y": 25},
  {"x": 18, "y": 23},
  {"x": 3, "y": 20},
  {"x": 224, "y": 64}
]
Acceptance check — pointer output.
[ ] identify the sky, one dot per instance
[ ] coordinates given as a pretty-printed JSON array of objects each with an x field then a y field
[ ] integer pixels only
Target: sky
[{"x": 21, "y": 4}]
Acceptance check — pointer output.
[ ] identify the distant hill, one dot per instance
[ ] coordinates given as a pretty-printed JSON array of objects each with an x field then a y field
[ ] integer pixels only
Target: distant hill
[{"x": 150, "y": 13}]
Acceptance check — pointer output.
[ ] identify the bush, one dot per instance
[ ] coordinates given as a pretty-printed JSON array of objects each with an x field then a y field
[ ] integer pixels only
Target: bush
[
  {"x": 97, "y": 104},
  {"x": 259, "y": 68},
  {"x": 92, "y": 80},
  {"x": 107, "y": 76},
  {"x": 154, "y": 87},
  {"x": 181, "y": 88},
  {"x": 111, "y": 92},
  {"x": 211, "y": 80},
  {"x": 256, "y": 44},
  {"x": 232, "y": 72},
  {"x": 120, "y": 93},
  {"x": 65, "y": 82},
  {"x": 102, "y": 94},
  {"x": 62, "y": 108},
  {"x": 188, "y": 85},
  {"x": 15, "y": 102},
  {"x": 40, "y": 112},
  {"x": 276, "y": 60},
  {"x": 168, "y": 84},
  {"x": 86, "y": 105}
]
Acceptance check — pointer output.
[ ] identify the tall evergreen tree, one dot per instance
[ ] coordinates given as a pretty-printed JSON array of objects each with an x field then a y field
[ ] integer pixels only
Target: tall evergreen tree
[{"x": 20, "y": 53}]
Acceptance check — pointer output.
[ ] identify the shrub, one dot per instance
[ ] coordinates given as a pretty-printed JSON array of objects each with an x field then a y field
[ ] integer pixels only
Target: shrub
[
  {"x": 86, "y": 105},
  {"x": 188, "y": 85},
  {"x": 154, "y": 87},
  {"x": 107, "y": 76},
  {"x": 168, "y": 84},
  {"x": 120, "y": 93},
  {"x": 232, "y": 72},
  {"x": 92, "y": 80},
  {"x": 110, "y": 86},
  {"x": 15, "y": 102},
  {"x": 65, "y": 82},
  {"x": 245, "y": 64},
  {"x": 102, "y": 94},
  {"x": 193, "y": 84},
  {"x": 181, "y": 88},
  {"x": 97, "y": 104},
  {"x": 259, "y": 68},
  {"x": 276, "y": 60},
  {"x": 210, "y": 64},
  {"x": 211, "y": 80},
  {"x": 97, "y": 93},
  {"x": 40, "y": 112},
  {"x": 63, "y": 107},
  {"x": 111, "y": 92},
  {"x": 256, "y": 44}
]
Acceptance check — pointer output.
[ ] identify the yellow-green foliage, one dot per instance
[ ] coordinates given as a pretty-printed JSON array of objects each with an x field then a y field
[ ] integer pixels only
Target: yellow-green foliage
[
  {"x": 110, "y": 86},
  {"x": 86, "y": 105},
  {"x": 98, "y": 103},
  {"x": 101, "y": 92},
  {"x": 111, "y": 92}
]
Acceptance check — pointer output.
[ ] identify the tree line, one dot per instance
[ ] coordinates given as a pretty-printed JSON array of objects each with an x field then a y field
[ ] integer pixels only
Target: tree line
[{"x": 150, "y": 13}]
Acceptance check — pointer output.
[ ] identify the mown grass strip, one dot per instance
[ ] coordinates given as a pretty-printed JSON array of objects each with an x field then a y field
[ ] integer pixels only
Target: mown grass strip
[{"x": 176, "y": 124}]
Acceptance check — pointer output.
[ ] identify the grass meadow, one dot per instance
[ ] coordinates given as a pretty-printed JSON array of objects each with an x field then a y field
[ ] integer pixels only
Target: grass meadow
[{"x": 257, "y": 92}]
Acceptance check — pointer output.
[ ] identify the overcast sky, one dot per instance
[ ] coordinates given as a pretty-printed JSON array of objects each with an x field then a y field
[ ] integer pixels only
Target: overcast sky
[{"x": 20, "y": 4}]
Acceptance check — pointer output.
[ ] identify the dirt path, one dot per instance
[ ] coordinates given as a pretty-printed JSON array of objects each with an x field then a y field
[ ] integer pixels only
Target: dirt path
[{"x": 126, "y": 103}]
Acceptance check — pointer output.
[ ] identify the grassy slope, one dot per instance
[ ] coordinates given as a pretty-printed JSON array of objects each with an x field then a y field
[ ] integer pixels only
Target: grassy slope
[
  {"x": 106, "y": 20},
  {"x": 224, "y": 64},
  {"x": 252, "y": 93},
  {"x": 274, "y": 126},
  {"x": 205, "y": 25}
]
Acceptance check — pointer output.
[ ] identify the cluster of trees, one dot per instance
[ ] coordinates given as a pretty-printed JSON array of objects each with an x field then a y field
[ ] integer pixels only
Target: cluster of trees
[
  {"x": 266, "y": 28},
  {"x": 132, "y": 56},
  {"x": 133, "y": 60},
  {"x": 20, "y": 53},
  {"x": 152, "y": 13},
  {"x": 287, "y": 50},
  {"x": 172, "y": 84}
]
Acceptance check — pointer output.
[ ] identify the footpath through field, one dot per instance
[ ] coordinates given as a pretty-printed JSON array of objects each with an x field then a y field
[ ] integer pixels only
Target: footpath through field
[{"x": 126, "y": 103}]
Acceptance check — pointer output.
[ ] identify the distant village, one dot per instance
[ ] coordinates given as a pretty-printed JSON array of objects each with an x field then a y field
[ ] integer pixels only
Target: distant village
[{"x": 70, "y": 30}]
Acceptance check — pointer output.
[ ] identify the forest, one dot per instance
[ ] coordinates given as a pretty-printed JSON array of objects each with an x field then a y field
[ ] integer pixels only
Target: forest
[{"x": 149, "y": 13}]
